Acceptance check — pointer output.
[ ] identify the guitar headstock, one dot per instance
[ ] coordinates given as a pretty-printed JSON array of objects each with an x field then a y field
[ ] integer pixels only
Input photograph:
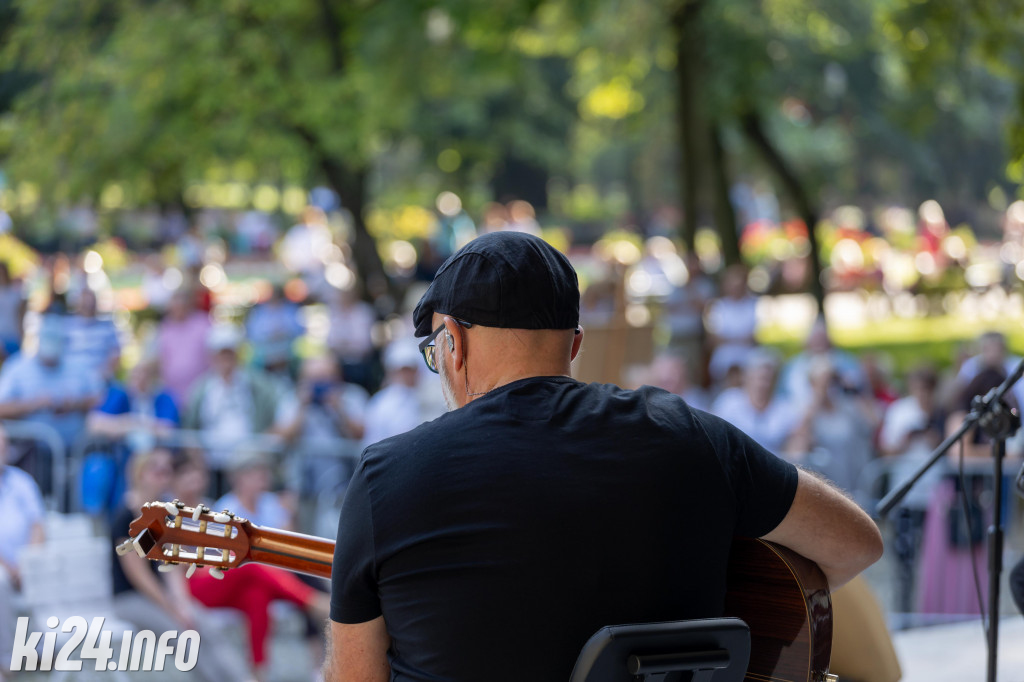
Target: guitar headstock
[{"x": 175, "y": 533}]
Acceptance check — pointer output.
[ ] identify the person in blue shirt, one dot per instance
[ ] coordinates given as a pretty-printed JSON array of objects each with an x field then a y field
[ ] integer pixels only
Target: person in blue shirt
[
  {"x": 141, "y": 405},
  {"x": 272, "y": 327},
  {"x": 47, "y": 389},
  {"x": 131, "y": 417},
  {"x": 92, "y": 340}
]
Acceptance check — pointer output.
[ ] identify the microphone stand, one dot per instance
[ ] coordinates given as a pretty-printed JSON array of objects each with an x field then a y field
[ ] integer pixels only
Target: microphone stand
[{"x": 993, "y": 416}]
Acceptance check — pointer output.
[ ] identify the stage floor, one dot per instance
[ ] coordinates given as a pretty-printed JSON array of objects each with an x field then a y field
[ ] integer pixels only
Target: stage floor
[{"x": 957, "y": 653}]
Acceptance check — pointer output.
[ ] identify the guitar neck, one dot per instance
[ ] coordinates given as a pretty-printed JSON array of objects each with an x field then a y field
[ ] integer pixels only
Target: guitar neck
[
  {"x": 293, "y": 551},
  {"x": 782, "y": 596}
]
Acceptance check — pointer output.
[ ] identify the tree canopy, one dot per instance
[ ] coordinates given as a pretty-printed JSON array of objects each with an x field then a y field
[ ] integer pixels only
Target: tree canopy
[{"x": 602, "y": 112}]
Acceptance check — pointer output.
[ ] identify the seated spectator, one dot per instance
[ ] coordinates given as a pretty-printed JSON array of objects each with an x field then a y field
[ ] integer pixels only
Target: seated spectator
[
  {"x": 732, "y": 321},
  {"x": 250, "y": 495},
  {"x": 272, "y": 327},
  {"x": 324, "y": 406},
  {"x": 350, "y": 336},
  {"x": 993, "y": 353},
  {"x": 322, "y": 410},
  {"x": 672, "y": 373},
  {"x": 140, "y": 406},
  {"x": 876, "y": 369},
  {"x": 953, "y": 541},
  {"x": 92, "y": 340},
  {"x": 752, "y": 407},
  {"x": 22, "y": 511},
  {"x": 250, "y": 588},
  {"x": 150, "y": 600},
  {"x": 396, "y": 408},
  {"x": 45, "y": 388},
  {"x": 229, "y": 403},
  {"x": 133, "y": 417},
  {"x": 795, "y": 379},
  {"x": 12, "y": 313},
  {"x": 911, "y": 428},
  {"x": 913, "y": 424},
  {"x": 181, "y": 340},
  {"x": 836, "y": 429}
]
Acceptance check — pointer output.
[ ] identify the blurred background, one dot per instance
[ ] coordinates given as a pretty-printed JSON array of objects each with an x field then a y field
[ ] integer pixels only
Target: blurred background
[{"x": 806, "y": 216}]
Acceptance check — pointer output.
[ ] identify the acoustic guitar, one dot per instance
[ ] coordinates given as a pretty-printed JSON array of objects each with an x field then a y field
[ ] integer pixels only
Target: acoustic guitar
[{"x": 782, "y": 596}]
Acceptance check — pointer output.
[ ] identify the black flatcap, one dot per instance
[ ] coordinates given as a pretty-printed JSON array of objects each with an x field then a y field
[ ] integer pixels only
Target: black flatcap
[{"x": 509, "y": 280}]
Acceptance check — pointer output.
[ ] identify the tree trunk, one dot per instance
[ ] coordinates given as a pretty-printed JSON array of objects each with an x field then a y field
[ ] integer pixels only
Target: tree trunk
[
  {"x": 350, "y": 184},
  {"x": 754, "y": 129},
  {"x": 688, "y": 57},
  {"x": 725, "y": 216}
]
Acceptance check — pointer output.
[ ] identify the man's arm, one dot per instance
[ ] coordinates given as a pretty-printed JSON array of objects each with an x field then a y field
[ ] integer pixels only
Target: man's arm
[
  {"x": 357, "y": 653},
  {"x": 830, "y": 529}
]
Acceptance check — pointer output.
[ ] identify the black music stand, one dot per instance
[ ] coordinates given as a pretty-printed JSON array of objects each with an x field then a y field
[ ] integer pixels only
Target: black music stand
[{"x": 708, "y": 650}]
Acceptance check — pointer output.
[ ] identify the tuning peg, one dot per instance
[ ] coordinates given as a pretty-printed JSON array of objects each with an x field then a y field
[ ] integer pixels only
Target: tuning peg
[
  {"x": 221, "y": 517},
  {"x": 178, "y": 503},
  {"x": 196, "y": 512},
  {"x": 171, "y": 508},
  {"x": 216, "y": 573},
  {"x": 124, "y": 548},
  {"x": 166, "y": 567},
  {"x": 191, "y": 570}
]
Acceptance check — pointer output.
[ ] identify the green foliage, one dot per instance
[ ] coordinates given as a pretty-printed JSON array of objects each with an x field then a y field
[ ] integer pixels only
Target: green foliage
[{"x": 887, "y": 99}]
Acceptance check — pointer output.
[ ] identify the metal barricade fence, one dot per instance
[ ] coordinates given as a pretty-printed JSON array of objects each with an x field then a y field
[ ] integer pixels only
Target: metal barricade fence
[
  {"x": 26, "y": 430},
  {"x": 335, "y": 457}
]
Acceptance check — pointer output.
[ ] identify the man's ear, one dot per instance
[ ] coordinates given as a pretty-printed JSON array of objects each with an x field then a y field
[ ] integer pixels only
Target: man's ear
[
  {"x": 577, "y": 341},
  {"x": 456, "y": 342}
]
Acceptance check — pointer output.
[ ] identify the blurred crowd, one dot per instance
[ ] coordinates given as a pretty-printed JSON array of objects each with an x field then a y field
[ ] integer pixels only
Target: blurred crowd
[
  {"x": 856, "y": 421},
  {"x": 262, "y": 404}
]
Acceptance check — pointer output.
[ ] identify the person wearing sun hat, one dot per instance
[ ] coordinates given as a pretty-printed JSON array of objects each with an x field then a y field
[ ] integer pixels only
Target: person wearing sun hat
[{"x": 493, "y": 541}]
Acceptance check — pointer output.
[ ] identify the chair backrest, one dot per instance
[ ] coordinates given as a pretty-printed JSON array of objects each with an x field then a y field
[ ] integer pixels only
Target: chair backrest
[{"x": 708, "y": 650}]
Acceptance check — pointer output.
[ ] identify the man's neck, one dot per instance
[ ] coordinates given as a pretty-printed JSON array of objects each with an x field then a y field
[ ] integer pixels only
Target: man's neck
[{"x": 477, "y": 389}]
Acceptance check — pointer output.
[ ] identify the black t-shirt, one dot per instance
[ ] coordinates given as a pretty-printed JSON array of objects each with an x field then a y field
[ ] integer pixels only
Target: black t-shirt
[
  {"x": 119, "y": 533},
  {"x": 496, "y": 539}
]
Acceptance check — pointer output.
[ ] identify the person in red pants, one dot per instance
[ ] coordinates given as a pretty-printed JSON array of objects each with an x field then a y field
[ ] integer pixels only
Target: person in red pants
[{"x": 250, "y": 588}]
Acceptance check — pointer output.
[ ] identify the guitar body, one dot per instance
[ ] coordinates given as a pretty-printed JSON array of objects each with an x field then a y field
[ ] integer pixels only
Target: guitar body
[{"x": 784, "y": 598}]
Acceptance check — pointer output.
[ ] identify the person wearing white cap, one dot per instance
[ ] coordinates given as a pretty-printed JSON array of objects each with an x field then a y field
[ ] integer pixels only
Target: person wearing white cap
[
  {"x": 229, "y": 402},
  {"x": 396, "y": 408}
]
